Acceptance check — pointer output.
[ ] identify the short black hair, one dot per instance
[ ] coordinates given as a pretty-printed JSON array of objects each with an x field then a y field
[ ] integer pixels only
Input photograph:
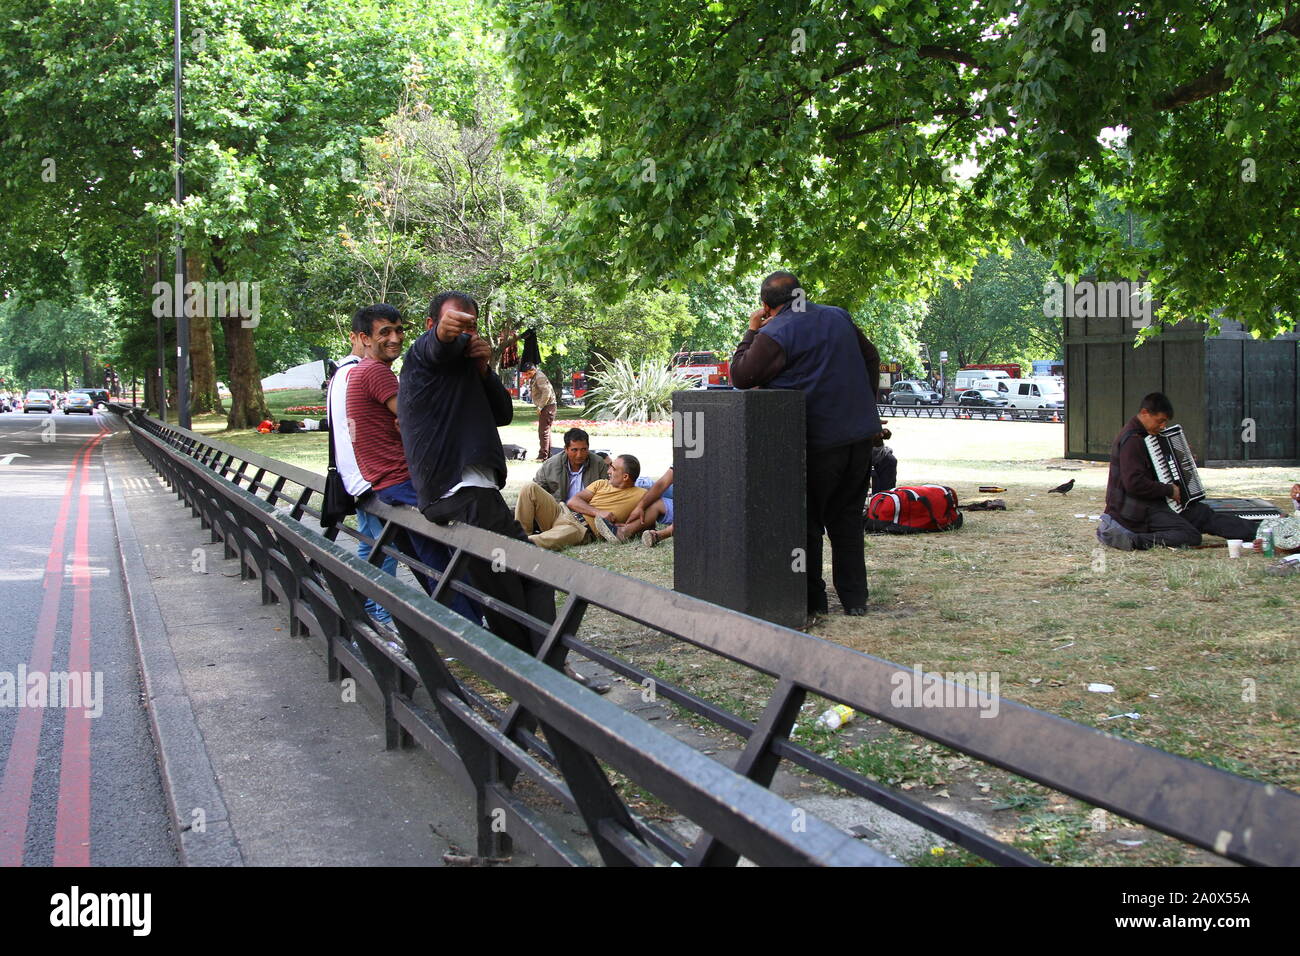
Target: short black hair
[
  {"x": 363, "y": 320},
  {"x": 1157, "y": 403},
  {"x": 527, "y": 366},
  {"x": 576, "y": 434},
  {"x": 631, "y": 465},
  {"x": 778, "y": 288},
  {"x": 462, "y": 299}
]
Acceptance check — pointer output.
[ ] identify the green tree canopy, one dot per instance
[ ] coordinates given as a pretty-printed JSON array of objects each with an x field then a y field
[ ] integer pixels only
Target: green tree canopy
[{"x": 877, "y": 145}]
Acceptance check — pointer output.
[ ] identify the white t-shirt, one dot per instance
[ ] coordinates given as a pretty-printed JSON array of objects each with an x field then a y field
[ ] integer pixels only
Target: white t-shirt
[
  {"x": 336, "y": 402},
  {"x": 474, "y": 476}
]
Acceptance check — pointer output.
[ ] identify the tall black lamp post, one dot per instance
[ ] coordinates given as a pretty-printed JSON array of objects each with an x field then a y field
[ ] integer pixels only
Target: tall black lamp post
[{"x": 178, "y": 292}]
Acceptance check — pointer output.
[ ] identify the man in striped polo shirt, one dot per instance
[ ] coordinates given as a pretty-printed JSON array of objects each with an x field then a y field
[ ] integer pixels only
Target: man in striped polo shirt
[{"x": 377, "y": 439}]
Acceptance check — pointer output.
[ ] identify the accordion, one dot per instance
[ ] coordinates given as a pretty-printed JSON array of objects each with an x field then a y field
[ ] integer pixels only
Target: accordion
[{"x": 1175, "y": 465}]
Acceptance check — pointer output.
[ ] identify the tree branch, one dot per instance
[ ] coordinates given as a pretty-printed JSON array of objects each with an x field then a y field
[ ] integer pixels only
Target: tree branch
[{"x": 1216, "y": 80}]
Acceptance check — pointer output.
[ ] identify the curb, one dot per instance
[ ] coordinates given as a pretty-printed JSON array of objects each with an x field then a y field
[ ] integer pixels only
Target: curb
[{"x": 188, "y": 780}]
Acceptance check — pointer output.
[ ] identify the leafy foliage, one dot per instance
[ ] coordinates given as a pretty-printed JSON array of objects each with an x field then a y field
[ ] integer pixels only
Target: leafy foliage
[
  {"x": 996, "y": 315},
  {"x": 887, "y": 146}
]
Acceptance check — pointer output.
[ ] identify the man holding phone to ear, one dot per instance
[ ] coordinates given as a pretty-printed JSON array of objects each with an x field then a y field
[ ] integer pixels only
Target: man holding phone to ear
[{"x": 792, "y": 343}]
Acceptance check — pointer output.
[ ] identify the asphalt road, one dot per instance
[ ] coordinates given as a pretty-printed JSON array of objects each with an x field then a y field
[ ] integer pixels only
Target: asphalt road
[{"x": 80, "y": 782}]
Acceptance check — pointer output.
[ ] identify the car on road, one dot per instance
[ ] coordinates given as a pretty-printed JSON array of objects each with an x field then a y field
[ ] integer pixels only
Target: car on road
[
  {"x": 1034, "y": 393},
  {"x": 78, "y": 402},
  {"x": 38, "y": 400},
  {"x": 982, "y": 398},
  {"x": 909, "y": 392},
  {"x": 98, "y": 396}
]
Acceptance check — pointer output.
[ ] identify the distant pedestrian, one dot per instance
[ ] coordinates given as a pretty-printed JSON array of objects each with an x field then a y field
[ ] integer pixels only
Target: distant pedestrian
[{"x": 543, "y": 396}]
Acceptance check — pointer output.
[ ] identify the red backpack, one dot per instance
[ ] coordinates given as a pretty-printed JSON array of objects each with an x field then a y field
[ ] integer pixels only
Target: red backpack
[{"x": 912, "y": 510}]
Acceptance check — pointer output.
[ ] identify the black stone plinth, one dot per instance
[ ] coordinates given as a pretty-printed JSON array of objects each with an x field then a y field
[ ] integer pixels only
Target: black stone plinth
[{"x": 738, "y": 474}]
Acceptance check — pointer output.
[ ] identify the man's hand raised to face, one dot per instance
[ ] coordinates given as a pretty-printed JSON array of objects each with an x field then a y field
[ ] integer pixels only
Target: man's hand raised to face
[
  {"x": 481, "y": 352},
  {"x": 759, "y": 317},
  {"x": 453, "y": 323}
]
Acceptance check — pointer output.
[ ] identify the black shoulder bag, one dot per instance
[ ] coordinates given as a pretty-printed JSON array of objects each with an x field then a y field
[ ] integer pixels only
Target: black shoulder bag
[{"x": 338, "y": 503}]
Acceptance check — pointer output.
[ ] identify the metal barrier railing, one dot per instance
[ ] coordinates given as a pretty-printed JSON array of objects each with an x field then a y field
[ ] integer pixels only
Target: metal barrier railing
[
  {"x": 974, "y": 412},
  {"x": 253, "y": 504}
]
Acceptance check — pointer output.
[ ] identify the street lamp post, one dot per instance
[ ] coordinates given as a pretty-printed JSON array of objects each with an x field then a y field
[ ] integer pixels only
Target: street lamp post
[{"x": 178, "y": 291}]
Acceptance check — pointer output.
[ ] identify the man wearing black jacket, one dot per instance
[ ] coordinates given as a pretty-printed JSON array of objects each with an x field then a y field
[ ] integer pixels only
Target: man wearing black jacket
[
  {"x": 1138, "y": 516},
  {"x": 450, "y": 405}
]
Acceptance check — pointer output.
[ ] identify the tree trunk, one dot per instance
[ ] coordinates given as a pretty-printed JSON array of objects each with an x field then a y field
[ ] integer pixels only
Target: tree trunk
[
  {"x": 247, "y": 403},
  {"x": 203, "y": 360}
]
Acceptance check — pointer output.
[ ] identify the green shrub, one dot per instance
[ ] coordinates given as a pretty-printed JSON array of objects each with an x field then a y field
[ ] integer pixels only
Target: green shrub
[{"x": 631, "y": 394}]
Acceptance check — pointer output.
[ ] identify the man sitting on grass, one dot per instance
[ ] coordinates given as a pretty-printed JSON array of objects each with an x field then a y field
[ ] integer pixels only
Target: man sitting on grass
[
  {"x": 1138, "y": 516},
  {"x": 564, "y": 476},
  {"x": 605, "y": 504}
]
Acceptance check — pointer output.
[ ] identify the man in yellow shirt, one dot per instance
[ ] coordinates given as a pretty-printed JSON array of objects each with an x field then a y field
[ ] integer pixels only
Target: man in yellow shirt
[{"x": 601, "y": 509}]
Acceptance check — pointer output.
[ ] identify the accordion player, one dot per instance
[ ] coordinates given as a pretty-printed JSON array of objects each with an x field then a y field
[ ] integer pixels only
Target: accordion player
[{"x": 1154, "y": 492}]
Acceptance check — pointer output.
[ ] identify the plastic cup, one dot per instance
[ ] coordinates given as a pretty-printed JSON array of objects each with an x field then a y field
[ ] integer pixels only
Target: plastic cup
[{"x": 1234, "y": 547}]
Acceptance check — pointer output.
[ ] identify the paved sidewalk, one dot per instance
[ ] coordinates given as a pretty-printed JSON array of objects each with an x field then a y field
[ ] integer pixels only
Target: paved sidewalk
[{"x": 303, "y": 776}]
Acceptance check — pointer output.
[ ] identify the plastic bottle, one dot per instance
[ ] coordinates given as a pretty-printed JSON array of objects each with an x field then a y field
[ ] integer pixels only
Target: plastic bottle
[{"x": 835, "y": 718}]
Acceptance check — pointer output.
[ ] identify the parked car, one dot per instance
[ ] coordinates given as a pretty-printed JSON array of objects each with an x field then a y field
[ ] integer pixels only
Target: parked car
[
  {"x": 78, "y": 402},
  {"x": 913, "y": 393},
  {"x": 38, "y": 400},
  {"x": 982, "y": 397}
]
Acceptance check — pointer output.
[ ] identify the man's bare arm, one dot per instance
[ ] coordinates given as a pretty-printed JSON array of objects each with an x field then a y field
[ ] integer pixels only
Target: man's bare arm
[
  {"x": 652, "y": 494},
  {"x": 581, "y": 503}
]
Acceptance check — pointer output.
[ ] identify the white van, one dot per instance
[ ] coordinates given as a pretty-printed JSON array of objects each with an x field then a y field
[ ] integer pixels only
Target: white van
[
  {"x": 1033, "y": 392},
  {"x": 978, "y": 378}
]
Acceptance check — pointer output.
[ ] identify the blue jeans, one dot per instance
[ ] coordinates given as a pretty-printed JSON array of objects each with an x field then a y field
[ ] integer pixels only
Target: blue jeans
[
  {"x": 430, "y": 552},
  {"x": 371, "y": 527}
]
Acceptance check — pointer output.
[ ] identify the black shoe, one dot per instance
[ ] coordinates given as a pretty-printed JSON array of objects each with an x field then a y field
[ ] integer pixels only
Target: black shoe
[
  {"x": 818, "y": 607},
  {"x": 856, "y": 611}
]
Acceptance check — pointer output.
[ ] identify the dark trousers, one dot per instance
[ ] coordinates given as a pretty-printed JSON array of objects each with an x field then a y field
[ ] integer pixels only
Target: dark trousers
[
  {"x": 1172, "y": 530},
  {"x": 837, "y": 491},
  {"x": 428, "y": 551},
  {"x": 485, "y": 508},
  {"x": 545, "y": 419}
]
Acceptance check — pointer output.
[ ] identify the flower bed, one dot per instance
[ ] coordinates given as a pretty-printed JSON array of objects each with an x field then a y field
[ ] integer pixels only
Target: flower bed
[
  {"x": 305, "y": 410},
  {"x": 613, "y": 427}
]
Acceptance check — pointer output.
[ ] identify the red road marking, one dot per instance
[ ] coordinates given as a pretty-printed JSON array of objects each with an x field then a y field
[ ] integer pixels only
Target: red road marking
[
  {"x": 20, "y": 766},
  {"x": 72, "y": 824}
]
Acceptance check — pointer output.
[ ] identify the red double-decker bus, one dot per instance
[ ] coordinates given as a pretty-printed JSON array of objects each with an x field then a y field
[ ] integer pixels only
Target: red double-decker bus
[{"x": 706, "y": 366}]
